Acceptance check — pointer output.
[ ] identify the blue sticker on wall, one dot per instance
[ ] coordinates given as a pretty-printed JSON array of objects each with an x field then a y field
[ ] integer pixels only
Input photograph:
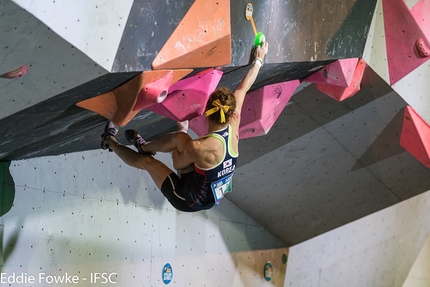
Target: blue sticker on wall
[
  {"x": 268, "y": 271},
  {"x": 167, "y": 274}
]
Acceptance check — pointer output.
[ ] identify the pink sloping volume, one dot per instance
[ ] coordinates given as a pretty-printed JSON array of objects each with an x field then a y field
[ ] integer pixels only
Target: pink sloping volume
[
  {"x": 339, "y": 73},
  {"x": 187, "y": 98},
  {"x": 341, "y": 93},
  {"x": 401, "y": 35},
  {"x": 415, "y": 136},
  {"x": 260, "y": 110}
]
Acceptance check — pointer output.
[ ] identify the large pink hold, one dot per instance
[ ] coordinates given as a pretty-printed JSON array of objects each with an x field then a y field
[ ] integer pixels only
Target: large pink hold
[
  {"x": 342, "y": 93},
  {"x": 260, "y": 110},
  {"x": 415, "y": 136},
  {"x": 187, "y": 98},
  {"x": 339, "y": 73}
]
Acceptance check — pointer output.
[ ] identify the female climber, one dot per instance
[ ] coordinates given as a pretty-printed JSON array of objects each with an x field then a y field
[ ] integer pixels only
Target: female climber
[{"x": 205, "y": 165}]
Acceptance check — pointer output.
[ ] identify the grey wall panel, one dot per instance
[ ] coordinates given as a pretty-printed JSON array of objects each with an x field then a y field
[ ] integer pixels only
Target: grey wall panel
[{"x": 54, "y": 66}]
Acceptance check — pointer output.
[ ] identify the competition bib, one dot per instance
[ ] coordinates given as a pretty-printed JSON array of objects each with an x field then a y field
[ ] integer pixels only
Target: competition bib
[{"x": 221, "y": 187}]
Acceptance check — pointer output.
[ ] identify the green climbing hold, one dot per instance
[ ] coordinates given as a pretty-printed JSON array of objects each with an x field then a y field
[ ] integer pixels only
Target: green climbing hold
[
  {"x": 7, "y": 188},
  {"x": 259, "y": 38}
]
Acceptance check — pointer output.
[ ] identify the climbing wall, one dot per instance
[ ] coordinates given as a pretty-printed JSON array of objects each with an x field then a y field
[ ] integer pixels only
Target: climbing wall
[
  {"x": 382, "y": 249},
  {"x": 80, "y": 52},
  {"x": 90, "y": 55},
  {"x": 53, "y": 64},
  {"x": 87, "y": 215},
  {"x": 397, "y": 50},
  {"x": 94, "y": 28}
]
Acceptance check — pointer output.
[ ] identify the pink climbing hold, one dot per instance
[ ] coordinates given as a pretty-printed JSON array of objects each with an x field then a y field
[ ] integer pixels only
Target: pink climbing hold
[
  {"x": 339, "y": 73},
  {"x": 153, "y": 93},
  {"x": 187, "y": 98},
  {"x": 260, "y": 110},
  {"x": 415, "y": 136},
  {"x": 21, "y": 71},
  {"x": 342, "y": 93},
  {"x": 423, "y": 48}
]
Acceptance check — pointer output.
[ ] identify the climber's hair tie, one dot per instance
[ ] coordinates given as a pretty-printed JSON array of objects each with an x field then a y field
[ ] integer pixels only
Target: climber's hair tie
[{"x": 221, "y": 105}]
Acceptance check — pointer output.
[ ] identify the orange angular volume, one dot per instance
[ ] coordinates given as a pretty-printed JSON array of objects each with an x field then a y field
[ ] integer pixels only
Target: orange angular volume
[
  {"x": 118, "y": 105},
  {"x": 202, "y": 39}
]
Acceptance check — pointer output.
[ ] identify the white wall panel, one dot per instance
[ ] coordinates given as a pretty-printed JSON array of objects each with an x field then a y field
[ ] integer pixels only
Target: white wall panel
[
  {"x": 414, "y": 87},
  {"x": 375, "y": 52},
  {"x": 377, "y": 250},
  {"x": 419, "y": 275},
  {"x": 53, "y": 65},
  {"x": 88, "y": 212},
  {"x": 94, "y": 27}
]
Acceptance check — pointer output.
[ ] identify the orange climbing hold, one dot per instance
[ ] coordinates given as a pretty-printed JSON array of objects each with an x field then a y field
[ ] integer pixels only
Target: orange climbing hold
[
  {"x": 123, "y": 103},
  {"x": 202, "y": 39}
]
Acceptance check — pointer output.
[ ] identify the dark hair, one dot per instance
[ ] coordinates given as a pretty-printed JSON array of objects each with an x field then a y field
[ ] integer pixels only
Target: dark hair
[{"x": 227, "y": 98}]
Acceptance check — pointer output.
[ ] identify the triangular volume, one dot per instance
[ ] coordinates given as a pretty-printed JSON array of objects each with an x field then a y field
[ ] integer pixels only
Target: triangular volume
[
  {"x": 339, "y": 73},
  {"x": 415, "y": 136},
  {"x": 401, "y": 35},
  {"x": 261, "y": 108},
  {"x": 118, "y": 105},
  {"x": 202, "y": 39},
  {"x": 341, "y": 93}
]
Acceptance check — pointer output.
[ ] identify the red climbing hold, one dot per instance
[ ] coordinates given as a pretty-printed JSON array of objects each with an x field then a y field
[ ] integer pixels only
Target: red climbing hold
[
  {"x": 21, "y": 71},
  {"x": 423, "y": 48}
]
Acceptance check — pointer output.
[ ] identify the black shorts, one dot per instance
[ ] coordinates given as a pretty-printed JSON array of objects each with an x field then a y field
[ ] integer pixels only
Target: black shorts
[{"x": 173, "y": 190}]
